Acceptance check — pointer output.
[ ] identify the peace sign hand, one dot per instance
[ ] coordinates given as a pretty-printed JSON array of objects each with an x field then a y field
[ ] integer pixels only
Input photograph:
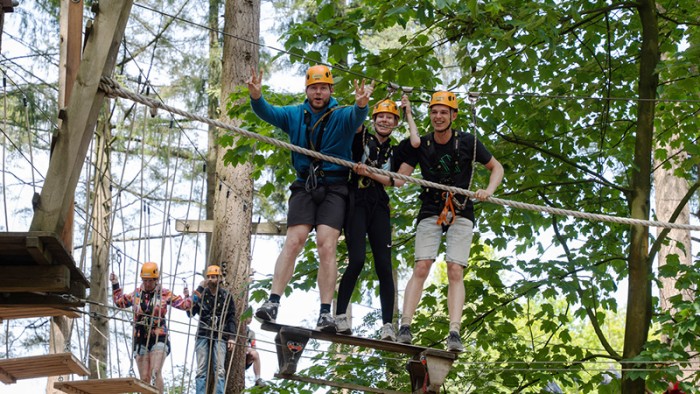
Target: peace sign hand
[
  {"x": 255, "y": 84},
  {"x": 363, "y": 93}
]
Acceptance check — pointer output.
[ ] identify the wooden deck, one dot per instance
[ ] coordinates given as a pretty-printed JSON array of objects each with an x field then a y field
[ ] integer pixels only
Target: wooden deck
[
  {"x": 394, "y": 347},
  {"x": 36, "y": 269},
  {"x": 28, "y": 312},
  {"x": 14, "y": 369},
  {"x": 106, "y": 386}
]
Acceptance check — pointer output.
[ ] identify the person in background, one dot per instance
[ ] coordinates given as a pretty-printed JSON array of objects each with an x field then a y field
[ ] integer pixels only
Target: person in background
[
  {"x": 368, "y": 215},
  {"x": 216, "y": 331},
  {"x": 150, "y": 305},
  {"x": 252, "y": 358},
  {"x": 319, "y": 193}
]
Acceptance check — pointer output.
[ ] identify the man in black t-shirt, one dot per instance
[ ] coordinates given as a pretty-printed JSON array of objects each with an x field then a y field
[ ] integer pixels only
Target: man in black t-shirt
[{"x": 445, "y": 156}]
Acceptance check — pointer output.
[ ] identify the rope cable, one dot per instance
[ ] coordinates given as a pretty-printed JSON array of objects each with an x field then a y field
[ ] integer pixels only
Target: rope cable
[{"x": 111, "y": 88}]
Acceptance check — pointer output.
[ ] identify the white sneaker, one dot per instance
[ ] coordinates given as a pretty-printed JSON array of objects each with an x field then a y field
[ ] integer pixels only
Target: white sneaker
[
  {"x": 343, "y": 324},
  {"x": 388, "y": 333}
]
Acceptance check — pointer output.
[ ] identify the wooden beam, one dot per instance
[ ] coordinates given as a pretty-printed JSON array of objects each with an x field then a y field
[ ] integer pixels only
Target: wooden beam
[
  {"x": 35, "y": 248},
  {"x": 80, "y": 116},
  {"x": 52, "y": 278},
  {"x": 207, "y": 226},
  {"x": 26, "y": 312},
  {"x": 106, "y": 386},
  {"x": 343, "y": 385}
]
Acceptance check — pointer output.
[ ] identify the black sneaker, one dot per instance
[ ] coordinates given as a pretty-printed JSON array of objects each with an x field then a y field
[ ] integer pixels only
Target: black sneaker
[
  {"x": 267, "y": 312},
  {"x": 326, "y": 323},
  {"x": 405, "y": 335},
  {"x": 454, "y": 342}
]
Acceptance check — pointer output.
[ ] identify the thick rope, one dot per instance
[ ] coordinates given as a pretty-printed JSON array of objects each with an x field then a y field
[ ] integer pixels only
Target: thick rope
[{"x": 112, "y": 89}]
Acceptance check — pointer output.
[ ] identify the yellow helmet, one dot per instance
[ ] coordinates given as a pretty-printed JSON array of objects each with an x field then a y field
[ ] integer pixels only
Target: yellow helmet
[
  {"x": 385, "y": 106},
  {"x": 213, "y": 270},
  {"x": 150, "y": 270},
  {"x": 318, "y": 74},
  {"x": 445, "y": 98}
]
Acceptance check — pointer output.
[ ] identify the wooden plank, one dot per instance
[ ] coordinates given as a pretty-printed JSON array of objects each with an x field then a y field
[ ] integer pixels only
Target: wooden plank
[
  {"x": 337, "y": 383},
  {"x": 53, "y": 278},
  {"x": 106, "y": 386},
  {"x": 32, "y": 248},
  {"x": 35, "y": 248},
  {"x": 28, "y": 312},
  {"x": 207, "y": 226},
  {"x": 388, "y": 346},
  {"x": 80, "y": 116},
  {"x": 42, "y": 366},
  {"x": 49, "y": 300}
]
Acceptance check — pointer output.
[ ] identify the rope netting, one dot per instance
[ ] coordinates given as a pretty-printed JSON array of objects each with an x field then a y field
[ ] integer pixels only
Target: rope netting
[{"x": 113, "y": 89}]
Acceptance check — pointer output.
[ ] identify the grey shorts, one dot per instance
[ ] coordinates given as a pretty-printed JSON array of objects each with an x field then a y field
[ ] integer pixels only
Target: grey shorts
[
  {"x": 459, "y": 240},
  {"x": 142, "y": 350},
  {"x": 328, "y": 207}
]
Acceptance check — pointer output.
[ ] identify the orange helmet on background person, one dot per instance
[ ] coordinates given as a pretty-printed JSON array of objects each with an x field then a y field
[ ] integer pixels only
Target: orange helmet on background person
[
  {"x": 445, "y": 98},
  {"x": 150, "y": 270},
  {"x": 318, "y": 74},
  {"x": 213, "y": 270},
  {"x": 388, "y": 106}
]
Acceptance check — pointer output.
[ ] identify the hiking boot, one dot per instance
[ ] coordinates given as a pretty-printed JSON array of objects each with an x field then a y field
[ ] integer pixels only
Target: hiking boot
[
  {"x": 326, "y": 323},
  {"x": 405, "y": 335},
  {"x": 260, "y": 383},
  {"x": 267, "y": 312},
  {"x": 454, "y": 342},
  {"x": 388, "y": 333},
  {"x": 343, "y": 324}
]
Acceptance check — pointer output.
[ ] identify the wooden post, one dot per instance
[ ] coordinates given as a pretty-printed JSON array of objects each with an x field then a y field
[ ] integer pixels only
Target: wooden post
[{"x": 80, "y": 116}]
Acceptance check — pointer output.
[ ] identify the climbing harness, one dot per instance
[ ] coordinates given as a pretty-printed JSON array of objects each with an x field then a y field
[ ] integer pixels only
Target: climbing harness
[{"x": 447, "y": 216}]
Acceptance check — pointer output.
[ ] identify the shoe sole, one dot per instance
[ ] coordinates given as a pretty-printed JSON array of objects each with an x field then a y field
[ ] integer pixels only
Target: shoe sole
[
  {"x": 263, "y": 317},
  {"x": 331, "y": 329},
  {"x": 456, "y": 350},
  {"x": 344, "y": 332},
  {"x": 389, "y": 339}
]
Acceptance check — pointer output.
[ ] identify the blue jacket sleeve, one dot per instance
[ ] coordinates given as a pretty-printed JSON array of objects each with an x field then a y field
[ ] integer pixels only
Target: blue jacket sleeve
[{"x": 276, "y": 116}]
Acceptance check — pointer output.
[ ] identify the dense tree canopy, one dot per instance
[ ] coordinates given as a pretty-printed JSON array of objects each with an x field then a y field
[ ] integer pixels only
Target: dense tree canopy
[{"x": 562, "y": 104}]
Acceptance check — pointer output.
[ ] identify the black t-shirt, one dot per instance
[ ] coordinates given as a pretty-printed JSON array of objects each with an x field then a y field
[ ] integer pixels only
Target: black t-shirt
[
  {"x": 448, "y": 164},
  {"x": 367, "y": 149}
]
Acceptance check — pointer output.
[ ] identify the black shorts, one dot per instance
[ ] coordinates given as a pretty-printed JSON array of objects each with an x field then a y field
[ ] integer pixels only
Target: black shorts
[{"x": 325, "y": 205}]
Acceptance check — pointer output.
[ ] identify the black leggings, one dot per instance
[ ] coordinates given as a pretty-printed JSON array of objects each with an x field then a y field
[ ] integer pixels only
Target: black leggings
[{"x": 371, "y": 222}]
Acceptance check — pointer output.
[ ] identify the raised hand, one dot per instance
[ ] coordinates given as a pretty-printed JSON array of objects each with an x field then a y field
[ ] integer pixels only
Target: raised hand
[
  {"x": 113, "y": 278},
  {"x": 363, "y": 93},
  {"x": 255, "y": 84},
  {"x": 406, "y": 103}
]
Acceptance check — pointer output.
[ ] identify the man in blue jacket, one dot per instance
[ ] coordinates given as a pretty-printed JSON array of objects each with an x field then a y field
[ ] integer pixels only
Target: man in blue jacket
[{"x": 318, "y": 195}]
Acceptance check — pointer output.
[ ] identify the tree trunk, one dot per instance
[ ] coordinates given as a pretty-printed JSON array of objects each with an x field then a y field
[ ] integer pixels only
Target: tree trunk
[
  {"x": 669, "y": 191},
  {"x": 639, "y": 310},
  {"x": 101, "y": 218},
  {"x": 214, "y": 79},
  {"x": 233, "y": 199}
]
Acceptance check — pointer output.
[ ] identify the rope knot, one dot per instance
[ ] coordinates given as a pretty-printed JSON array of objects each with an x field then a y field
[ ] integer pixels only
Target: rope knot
[{"x": 109, "y": 86}]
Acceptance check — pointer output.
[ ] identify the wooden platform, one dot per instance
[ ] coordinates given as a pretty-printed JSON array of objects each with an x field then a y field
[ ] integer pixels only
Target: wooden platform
[
  {"x": 106, "y": 386},
  {"x": 36, "y": 269},
  {"x": 427, "y": 367},
  {"x": 394, "y": 347},
  {"x": 343, "y": 385},
  {"x": 14, "y": 369},
  {"x": 27, "y": 312}
]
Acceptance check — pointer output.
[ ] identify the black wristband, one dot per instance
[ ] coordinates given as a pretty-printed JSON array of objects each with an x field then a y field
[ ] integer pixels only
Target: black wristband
[
  {"x": 391, "y": 180},
  {"x": 115, "y": 286}
]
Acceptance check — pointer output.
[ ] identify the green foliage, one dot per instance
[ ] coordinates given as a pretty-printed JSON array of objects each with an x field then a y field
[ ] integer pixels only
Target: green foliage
[{"x": 550, "y": 74}]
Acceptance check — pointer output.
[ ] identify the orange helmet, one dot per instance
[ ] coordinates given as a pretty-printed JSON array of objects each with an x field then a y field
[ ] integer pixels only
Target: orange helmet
[
  {"x": 213, "y": 270},
  {"x": 318, "y": 74},
  {"x": 150, "y": 270},
  {"x": 385, "y": 106},
  {"x": 445, "y": 98}
]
